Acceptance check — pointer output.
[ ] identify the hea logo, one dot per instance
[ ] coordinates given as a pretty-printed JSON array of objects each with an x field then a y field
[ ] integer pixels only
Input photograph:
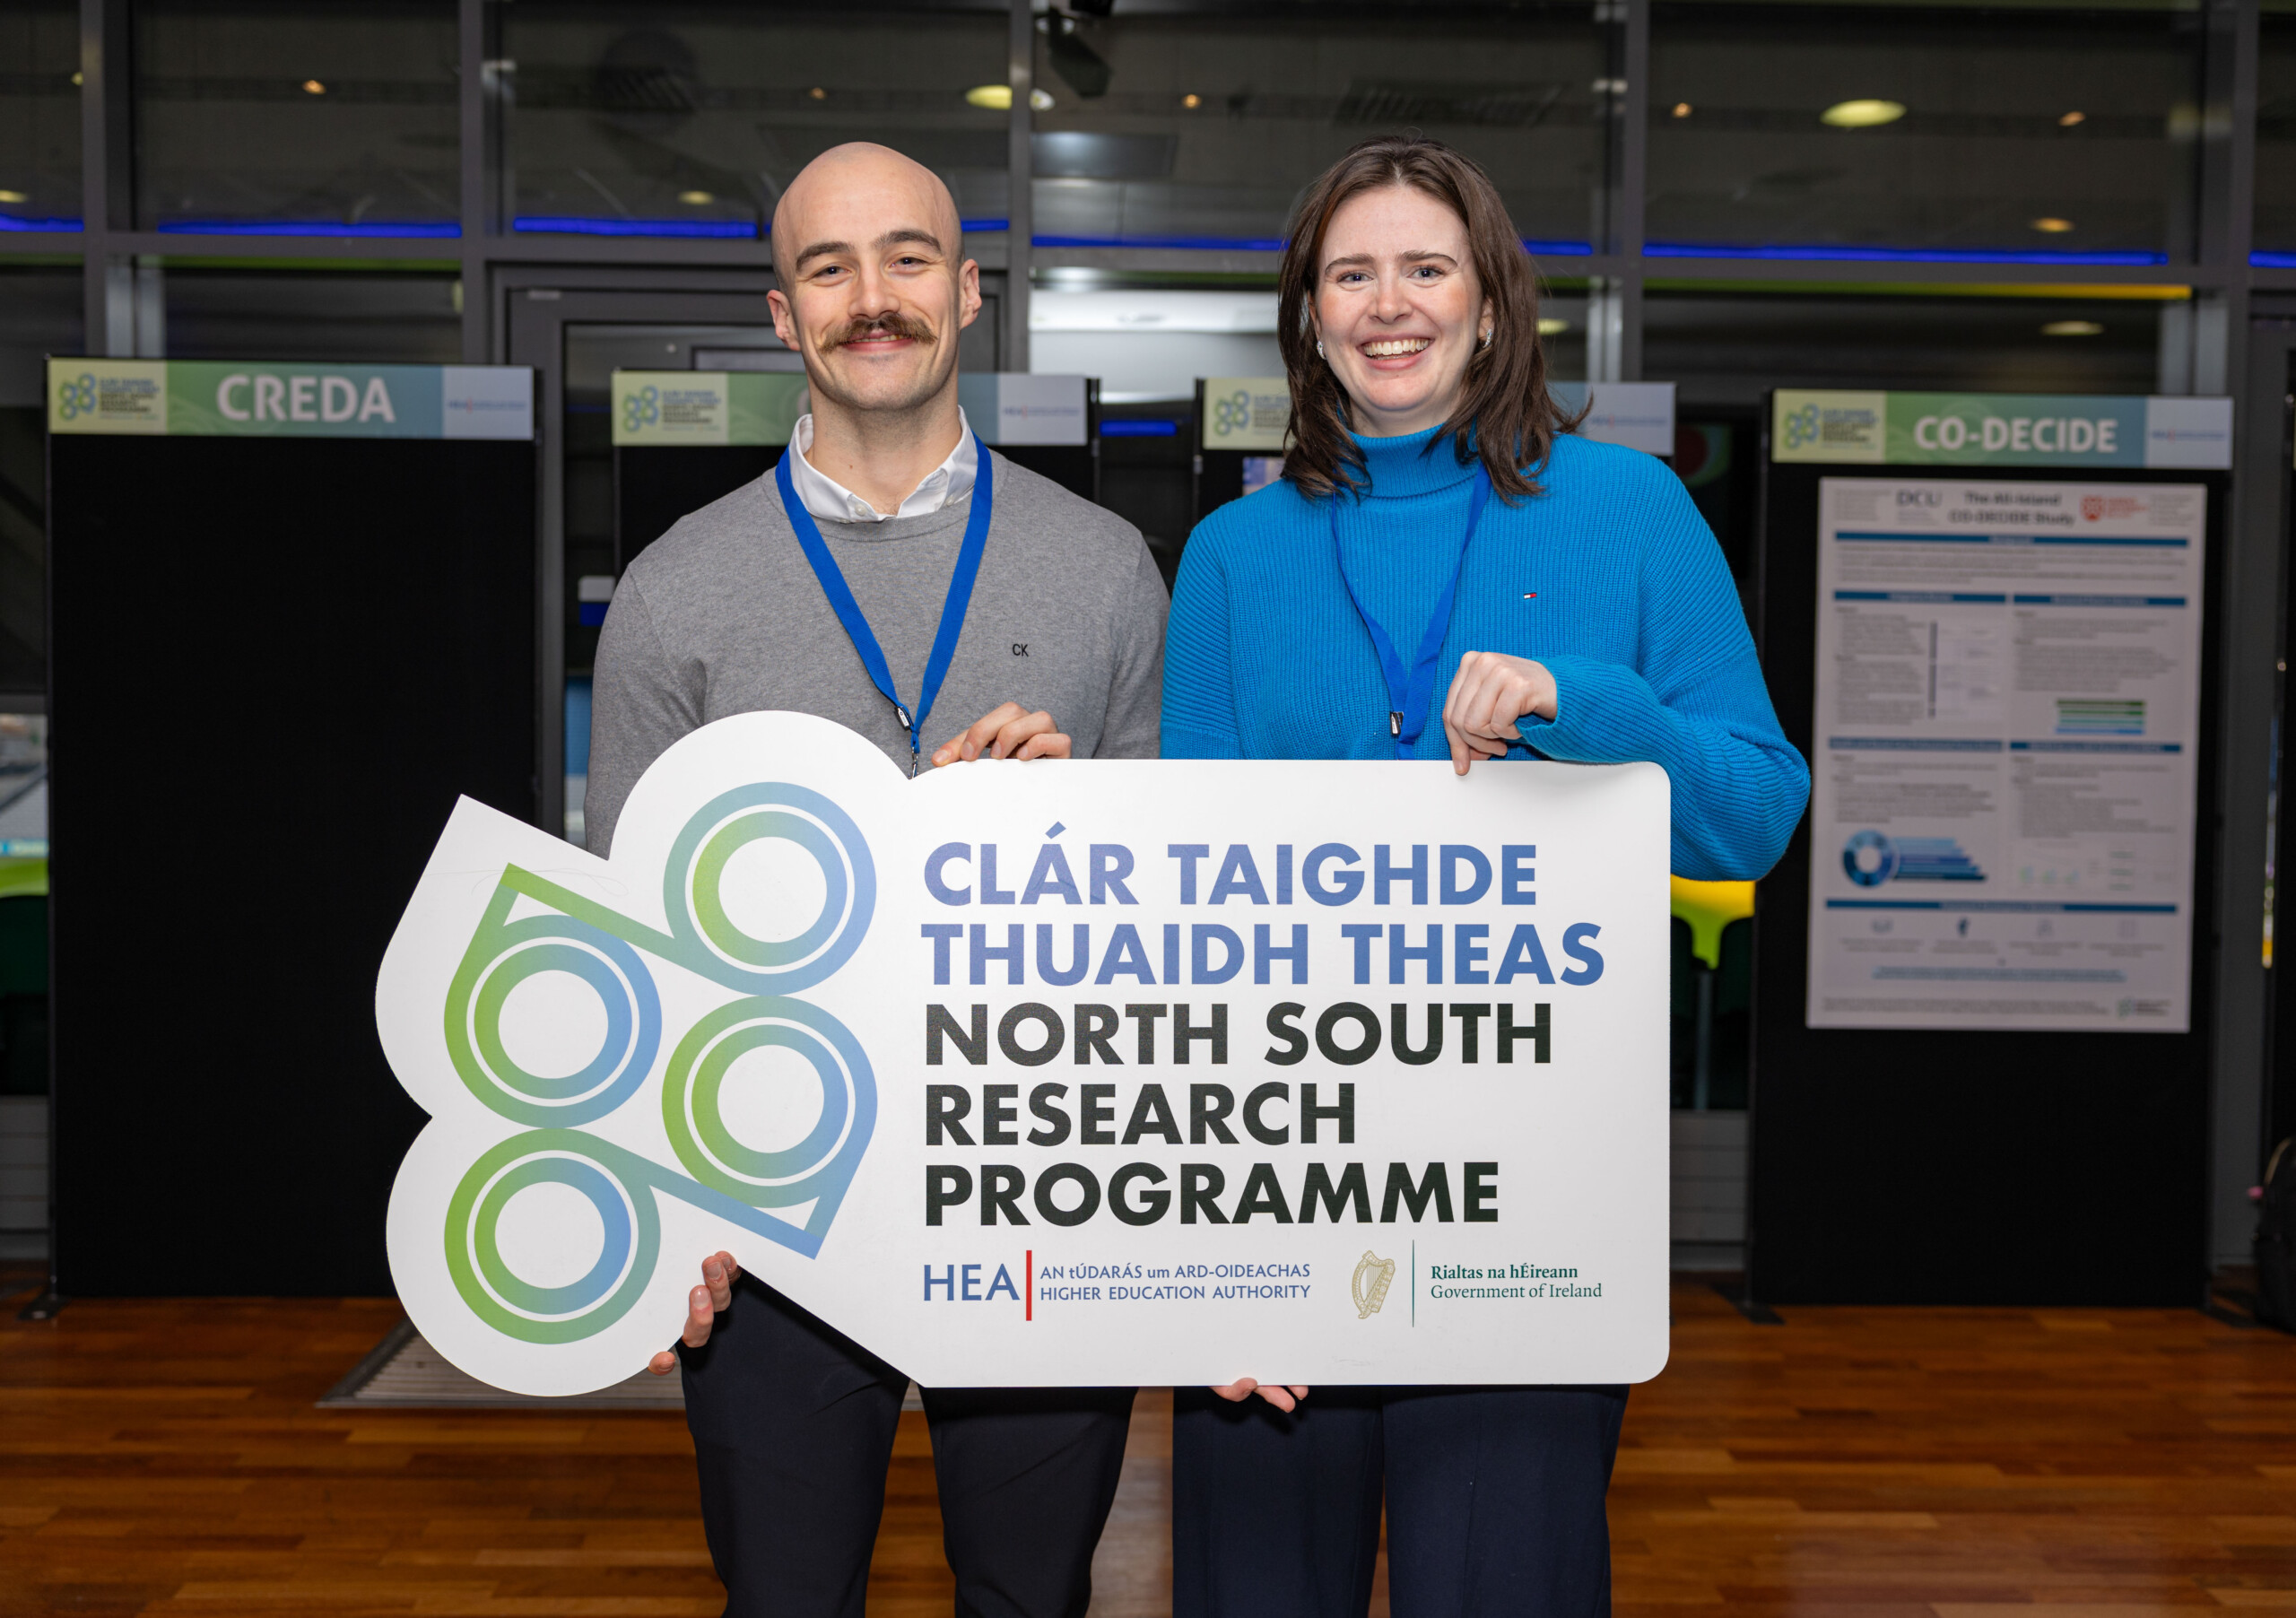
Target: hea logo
[
  {"x": 641, "y": 408},
  {"x": 556, "y": 930}
]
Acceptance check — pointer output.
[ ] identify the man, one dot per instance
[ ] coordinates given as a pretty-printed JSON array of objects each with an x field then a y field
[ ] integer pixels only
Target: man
[{"x": 736, "y": 609}]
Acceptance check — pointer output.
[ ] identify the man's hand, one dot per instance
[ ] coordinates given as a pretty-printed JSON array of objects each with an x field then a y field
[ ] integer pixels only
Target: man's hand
[
  {"x": 1006, "y": 733},
  {"x": 1489, "y": 693},
  {"x": 1285, "y": 1399},
  {"x": 719, "y": 1273}
]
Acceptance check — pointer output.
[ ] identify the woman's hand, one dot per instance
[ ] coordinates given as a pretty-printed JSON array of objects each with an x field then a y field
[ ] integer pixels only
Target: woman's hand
[
  {"x": 1286, "y": 1399},
  {"x": 1489, "y": 693}
]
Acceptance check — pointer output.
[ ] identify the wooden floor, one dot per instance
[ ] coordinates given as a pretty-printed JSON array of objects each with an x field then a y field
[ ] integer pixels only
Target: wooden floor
[{"x": 167, "y": 1457}]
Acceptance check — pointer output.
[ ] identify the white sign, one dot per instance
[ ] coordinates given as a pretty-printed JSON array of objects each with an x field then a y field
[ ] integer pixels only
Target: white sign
[
  {"x": 1091, "y": 1072},
  {"x": 1036, "y": 410},
  {"x": 1640, "y": 415},
  {"x": 2007, "y": 716}
]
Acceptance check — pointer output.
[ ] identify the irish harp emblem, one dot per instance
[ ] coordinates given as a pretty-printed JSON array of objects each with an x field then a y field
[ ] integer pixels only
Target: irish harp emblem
[{"x": 1373, "y": 1276}]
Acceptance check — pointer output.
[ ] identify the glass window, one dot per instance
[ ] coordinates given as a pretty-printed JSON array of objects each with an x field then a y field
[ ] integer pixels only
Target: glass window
[
  {"x": 1952, "y": 132},
  {"x": 688, "y": 119},
  {"x": 39, "y": 116},
  {"x": 2275, "y": 226},
  {"x": 333, "y": 120},
  {"x": 41, "y": 314},
  {"x": 402, "y": 318},
  {"x": 1728, "y": 347},
  {"x": 1201, "y": 130}
]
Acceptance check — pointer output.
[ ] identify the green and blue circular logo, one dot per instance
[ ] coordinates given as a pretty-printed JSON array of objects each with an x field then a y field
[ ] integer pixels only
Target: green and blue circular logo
[
  {"x": 641, "y": 408},
  {"x": 600, "y": 950},
  {"x": 76, "y": 396}
]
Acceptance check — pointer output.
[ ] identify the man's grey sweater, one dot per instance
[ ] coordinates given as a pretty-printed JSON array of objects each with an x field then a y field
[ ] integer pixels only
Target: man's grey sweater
[{"x": 723, "y": 615}]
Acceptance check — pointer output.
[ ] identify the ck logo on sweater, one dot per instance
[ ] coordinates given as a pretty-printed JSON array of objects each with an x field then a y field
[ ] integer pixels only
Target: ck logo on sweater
[{"x": 535, "y": 926}]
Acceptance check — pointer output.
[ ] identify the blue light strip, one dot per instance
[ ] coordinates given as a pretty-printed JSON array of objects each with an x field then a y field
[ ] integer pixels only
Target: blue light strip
[
  {"x": 2273, "y": 261},
  {"x": 1209, "y": 244},
  {"x": 10, "y": 222},
  {"x": 1256, "y": 243},
  {"x": 562, "y": 224},
  {"x": 421, "y": 228},
  {"x": 724, "y": 229},
  {"x": 1847, "y": 255}
]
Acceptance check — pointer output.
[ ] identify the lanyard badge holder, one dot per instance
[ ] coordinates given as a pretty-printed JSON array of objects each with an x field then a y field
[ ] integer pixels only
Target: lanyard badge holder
[
  {"x": 856, "y": 626},
  {"x": 1412, "y": 693}
]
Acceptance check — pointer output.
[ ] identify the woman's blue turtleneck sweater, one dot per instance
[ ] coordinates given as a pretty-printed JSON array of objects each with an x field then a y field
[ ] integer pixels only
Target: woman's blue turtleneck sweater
[{"x": 1610, "y": 578}]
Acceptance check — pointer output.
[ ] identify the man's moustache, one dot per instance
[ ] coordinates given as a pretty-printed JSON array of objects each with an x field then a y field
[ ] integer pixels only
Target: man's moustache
[{"x": 891, "y": 325}]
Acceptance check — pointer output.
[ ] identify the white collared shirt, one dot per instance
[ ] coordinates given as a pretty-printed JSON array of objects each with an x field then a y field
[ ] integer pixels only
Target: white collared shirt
[{"x": 826, "y": 498}]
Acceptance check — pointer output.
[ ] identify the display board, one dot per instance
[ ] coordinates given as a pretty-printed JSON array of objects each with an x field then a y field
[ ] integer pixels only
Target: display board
[
  {"x": 1984, "y": 970},
  {"x": 2007, "y": 713},
  {"x": 294, "y": 613},
  {"x": 911, "y": 1049},
  {"x": 682, "y": 438},
  {"x": 1242, "y": 422}
]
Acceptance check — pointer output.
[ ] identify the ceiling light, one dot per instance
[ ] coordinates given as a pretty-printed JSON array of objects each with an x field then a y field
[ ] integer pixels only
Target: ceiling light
[
  {"x": 696, "y": 198},
  {"x": 1551, "y": 327},
  {"x": 13, "y": 196},
  {"x": 313, "y": 87},
  {"x": 2071, "y": 118},
  {"x": 998, "y": 98},
  {"x": 2052, "y": 226},
  {"x": 2071, "y": 328},
  {"x": 1862, "y": 114},
  {"x": 1682, "y": 109},
  {"x": 818, "y": 94},
  {"x": 1191, "y": 100}
]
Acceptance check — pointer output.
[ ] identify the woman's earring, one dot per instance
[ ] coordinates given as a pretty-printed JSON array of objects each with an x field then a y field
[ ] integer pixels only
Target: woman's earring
[
  {"x": 1319, "y": 348},
  {"x": 1486, "y": 339}
]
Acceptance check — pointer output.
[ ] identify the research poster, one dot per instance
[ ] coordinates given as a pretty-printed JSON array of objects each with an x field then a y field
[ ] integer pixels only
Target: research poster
[
  {"x": 2007, "y": 726},
  {"x": 1064, "y": 1072}
]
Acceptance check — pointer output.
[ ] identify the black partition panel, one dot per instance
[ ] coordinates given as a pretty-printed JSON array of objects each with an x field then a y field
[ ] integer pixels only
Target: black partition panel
[
  {"x": 274, "y": 665},
  {"x": 1905, "y": 1166},
  {"x": 654, "y": 484}
]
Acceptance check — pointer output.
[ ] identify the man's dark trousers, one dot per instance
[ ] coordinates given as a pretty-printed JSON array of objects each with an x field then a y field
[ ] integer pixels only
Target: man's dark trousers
[{"x": 793, "y": 1429}]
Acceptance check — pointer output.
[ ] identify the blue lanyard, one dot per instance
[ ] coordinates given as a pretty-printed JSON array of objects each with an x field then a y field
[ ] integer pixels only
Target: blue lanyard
[
  {"x": 848, "y": 611},
  {"x": 1412, "y": 694}
]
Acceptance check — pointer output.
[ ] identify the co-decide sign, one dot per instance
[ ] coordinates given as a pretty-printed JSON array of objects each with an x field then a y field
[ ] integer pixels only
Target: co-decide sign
[{"x": 1093, "y": 1072}]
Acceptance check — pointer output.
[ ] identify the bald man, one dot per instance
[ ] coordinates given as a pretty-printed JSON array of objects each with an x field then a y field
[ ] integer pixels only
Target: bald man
[{"x": 822, "y": 589}]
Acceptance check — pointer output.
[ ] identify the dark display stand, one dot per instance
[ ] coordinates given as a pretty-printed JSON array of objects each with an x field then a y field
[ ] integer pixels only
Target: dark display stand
[
  {"x": 274, "y": 664},
  {"x": 2280, "y": 1070},
  {"x": 1914, "y": 1167}
]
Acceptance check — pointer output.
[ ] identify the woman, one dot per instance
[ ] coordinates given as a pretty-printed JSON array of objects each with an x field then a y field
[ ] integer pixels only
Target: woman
[{"x": 1437, "y": 530}]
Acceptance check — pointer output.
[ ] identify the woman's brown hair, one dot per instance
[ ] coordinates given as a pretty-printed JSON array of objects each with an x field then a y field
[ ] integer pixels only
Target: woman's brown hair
[{"x": 1505, "y": 412}]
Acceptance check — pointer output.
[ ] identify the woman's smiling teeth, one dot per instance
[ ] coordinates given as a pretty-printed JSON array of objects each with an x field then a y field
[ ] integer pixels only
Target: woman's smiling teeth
[{"x": 1390, "y": 348}]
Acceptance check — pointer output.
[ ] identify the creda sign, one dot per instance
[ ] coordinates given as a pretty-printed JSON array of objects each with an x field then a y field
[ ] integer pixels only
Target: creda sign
[
  {"x": 238, "y": 398},
  {"x": 242, "y": 396}
]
